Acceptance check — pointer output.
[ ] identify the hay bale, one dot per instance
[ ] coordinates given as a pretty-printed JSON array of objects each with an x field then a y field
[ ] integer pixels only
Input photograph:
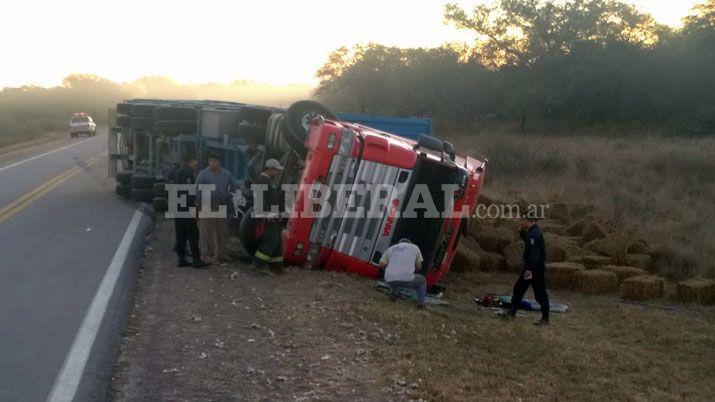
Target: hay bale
[
  {"x": 491, "y": 262},
  {"x": 623, "y": 272},
  {"x": 644, "y": 287},
  {"x": 560, "y": 249},
  {"x": 578, "y": 211},
  {"x": 553, "y": 227},
  {"x": 696, "y": 290},
  {"x": 643, "y": 261},
  {"x": 613, "y": 246},
  {"x": 596, "y": 281},
  {"x": 494, "y": 239},
  {"x": 514, "y": 256},
  {"x": 465, "y": 260},
  {"x": 639, "y": 246},
  {"x": 577, "y": 228},
  {"x": 561, "y": 275},
  {"x": 558, "y": 211},
  {"x": 593, "y": 231},
  {"x": 595, "y": 261}
]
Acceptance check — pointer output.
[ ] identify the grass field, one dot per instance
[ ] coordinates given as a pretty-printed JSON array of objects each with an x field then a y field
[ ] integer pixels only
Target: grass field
[{"x": 657, "y": 187}]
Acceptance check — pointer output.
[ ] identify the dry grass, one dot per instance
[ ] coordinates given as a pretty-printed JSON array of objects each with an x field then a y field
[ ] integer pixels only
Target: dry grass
[
  {"x": 600, "y": 350},
  {"x": 660, "y": 188}
]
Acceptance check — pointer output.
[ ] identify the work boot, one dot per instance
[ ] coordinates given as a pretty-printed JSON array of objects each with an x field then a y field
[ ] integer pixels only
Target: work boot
[
  {"x": 278, "y": 269},
  {"x": 543, "y": 321},
  {"x": 421, "y": 307},
  {"x": 183, "y": 262},
  {"x": 200, "y": 264}
]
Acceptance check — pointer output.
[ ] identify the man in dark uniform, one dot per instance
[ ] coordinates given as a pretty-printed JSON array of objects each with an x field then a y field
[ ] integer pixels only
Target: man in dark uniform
[
  {"x": 534, "y": 273},
  {"x": 186, "y": 229},
  {"x": 270, "y": 250}
]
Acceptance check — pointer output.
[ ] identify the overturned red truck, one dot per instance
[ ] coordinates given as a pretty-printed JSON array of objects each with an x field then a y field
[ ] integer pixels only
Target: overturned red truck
[{"x": 379, "y": 188}]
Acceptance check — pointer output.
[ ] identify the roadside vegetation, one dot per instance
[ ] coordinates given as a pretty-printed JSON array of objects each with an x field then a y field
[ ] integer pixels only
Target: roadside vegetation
[{"x": 30, "y": 112}]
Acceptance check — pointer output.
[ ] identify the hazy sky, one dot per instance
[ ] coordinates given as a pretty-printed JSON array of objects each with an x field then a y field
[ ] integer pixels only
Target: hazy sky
[{"x": 277, "y": 42}]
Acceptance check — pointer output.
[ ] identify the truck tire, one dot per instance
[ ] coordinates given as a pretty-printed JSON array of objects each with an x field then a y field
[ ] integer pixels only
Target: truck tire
[
  {"x": 175, "y": 127},
  {"x": 174, "y": 113},
  {"x": 142, "y": 195},
  {"x": 425, "y": 141},
  {"x": 160, "y": 190},
  {"x": 124, "y": 108},
  {"x": 124, "y": 177},
  {"x": 247, "y": 232},
  {"x": 144, "y": 181},
  {"x": 449, "y": 149},
  {"x": 160, "y": 204},
  {"x": 123, "y": 190},
  {"x": 296, "y": 121},
  {"x": 142, "y": 110},
  {"x": 142, "y": 123},
  {"x": 256, "y": 115},
  {"x": 124, "y": 121}
]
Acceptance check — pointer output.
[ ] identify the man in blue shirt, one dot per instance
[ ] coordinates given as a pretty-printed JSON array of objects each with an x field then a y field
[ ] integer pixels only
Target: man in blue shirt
[{"x": 214, "y": 230}]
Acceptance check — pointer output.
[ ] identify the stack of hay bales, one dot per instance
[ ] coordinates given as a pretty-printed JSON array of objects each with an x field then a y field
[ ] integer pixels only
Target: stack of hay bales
[
  {"x": 593, "y": 231},
  {"x": 644, "y": 287},
  {"x": 696, "y": 290},
  {"x": 596, "y": 281},
  {"x": 595, "y": 261},
  {"x": 623, "y": 272},
  {"x": 467, "y": 257},
  {"x": 514, "y": 256},
  {"x": 494, "y": 239},
  {"x": 562, "y": 275}
]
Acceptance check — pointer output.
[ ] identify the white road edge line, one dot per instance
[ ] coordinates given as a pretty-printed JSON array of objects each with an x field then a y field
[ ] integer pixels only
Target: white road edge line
[
  {"x": 12, "y": 165},
  {"x": 68, "y": 380}
]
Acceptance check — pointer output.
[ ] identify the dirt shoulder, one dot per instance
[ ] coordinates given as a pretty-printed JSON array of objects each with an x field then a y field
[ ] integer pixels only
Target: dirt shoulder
[{"x": 229, "y": 334}]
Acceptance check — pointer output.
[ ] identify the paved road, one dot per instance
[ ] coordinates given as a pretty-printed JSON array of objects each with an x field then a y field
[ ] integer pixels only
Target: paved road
[{"x": 60, "y": 229}]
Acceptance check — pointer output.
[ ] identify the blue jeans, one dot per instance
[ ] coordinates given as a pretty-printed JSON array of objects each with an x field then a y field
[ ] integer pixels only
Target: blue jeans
[{"x": 419, "y": 284}]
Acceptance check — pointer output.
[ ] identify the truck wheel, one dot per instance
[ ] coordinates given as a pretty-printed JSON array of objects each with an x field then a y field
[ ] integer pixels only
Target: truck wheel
[
  {"x": 123, "y": 190},
  {"x": 247, "y": 232},
  {"x": 124, "y": 121},
  {"x": 124, "y": 177},
  {"x": 256, "y": 115},
  {"x": 144, "y": 181},
  {"x": 449, "y": 149},
  {"x": 428, "y": 142},
  {"x": 297, "y": 119},
  {"x": 142, "y": 123},
  {"x": 175, "y": 127},
  {"x": 160, "y": 204},
  {"x": 124, "y": 108},
  {"x": 174, "y": 113},
  {"x": 142, "y": 195},
  {"x": 142, "y": 110},
  {"x": 160, "y": 190}
]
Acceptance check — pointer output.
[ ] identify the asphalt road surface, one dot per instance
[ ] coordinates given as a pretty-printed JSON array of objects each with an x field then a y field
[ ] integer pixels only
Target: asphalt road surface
[{"x": 68, "y": 247}]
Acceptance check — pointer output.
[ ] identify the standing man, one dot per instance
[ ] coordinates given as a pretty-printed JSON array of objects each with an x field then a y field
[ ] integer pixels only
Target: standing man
[
  {"x": 400, "y": 262},
  {"x": 185, "y": 228},
  {"x": 214, "y": 230},
  {"x": 534, "y": 273},
  {"x": 270, "y": 250}
]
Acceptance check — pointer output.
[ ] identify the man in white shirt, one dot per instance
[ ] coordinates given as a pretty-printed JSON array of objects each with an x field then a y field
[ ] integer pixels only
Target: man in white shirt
[{"x": 400, "y": 262}]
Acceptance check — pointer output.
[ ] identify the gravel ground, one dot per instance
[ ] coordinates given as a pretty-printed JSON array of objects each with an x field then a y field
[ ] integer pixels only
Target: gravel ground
[{"x": 227, "y": 333}]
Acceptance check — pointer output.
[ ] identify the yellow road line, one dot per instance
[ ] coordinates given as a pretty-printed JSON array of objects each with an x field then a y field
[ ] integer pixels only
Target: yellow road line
[{"x": 39, "y": 191}]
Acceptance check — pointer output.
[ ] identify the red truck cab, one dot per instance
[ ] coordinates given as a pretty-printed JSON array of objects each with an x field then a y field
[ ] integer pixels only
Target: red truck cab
[{"x": 343, "y": 156}]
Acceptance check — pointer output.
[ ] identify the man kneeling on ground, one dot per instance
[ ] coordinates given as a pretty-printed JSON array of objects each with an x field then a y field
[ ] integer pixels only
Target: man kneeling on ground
[{"x": 400, "y": 262}]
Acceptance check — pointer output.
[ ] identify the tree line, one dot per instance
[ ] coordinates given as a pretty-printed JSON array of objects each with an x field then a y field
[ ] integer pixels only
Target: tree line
[{"x": 541, "y": 64}]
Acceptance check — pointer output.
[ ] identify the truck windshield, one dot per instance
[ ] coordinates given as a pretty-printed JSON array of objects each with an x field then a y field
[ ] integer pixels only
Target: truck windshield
[
  {"x": 79, "y": 119},
  {"x": 422, "y": 231}
]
